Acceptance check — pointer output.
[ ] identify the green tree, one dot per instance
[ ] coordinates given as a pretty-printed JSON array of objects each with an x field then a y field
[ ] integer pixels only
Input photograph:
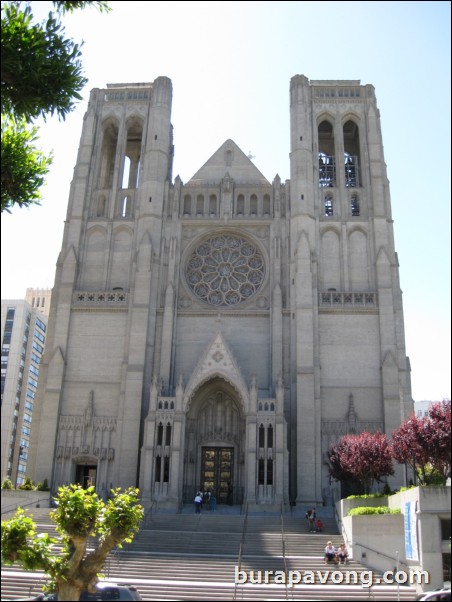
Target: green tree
[
  {"x": 41, "y": 76},
  {"x": 80, "y": 514}
]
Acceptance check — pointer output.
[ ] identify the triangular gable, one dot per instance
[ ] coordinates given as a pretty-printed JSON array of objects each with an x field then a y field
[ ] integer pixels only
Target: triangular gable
[
  {"x": 217, "y": 361},
  {"x": 230, "y": 161}
]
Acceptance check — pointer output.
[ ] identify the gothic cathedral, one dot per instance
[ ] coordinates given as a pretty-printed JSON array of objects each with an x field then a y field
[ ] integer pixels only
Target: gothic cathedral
[{"x": 222, "y": 333}]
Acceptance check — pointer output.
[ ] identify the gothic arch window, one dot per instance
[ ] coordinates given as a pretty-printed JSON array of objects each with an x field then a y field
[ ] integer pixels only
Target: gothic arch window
[
  {"x": 187, "y": 204},
  {"x": 132, "y": 154},
  {"x": 166, "y": 463},
  {"x": 160, "y": 434},
  {"x": 351, "y": 154},
  {"x": 168, "y": 434},
  {"x": 200, "y": 204},
  {"x": 158, "y": 468},
  {"x": 218, "y": 418},
  {"x": 270, "y": 436},
  {"x": 108, "y": 154},
  {"x": 240, "y": 204},
  {"x": 270, "y": 471},
  {"x": 327, "y": 160},
  {"x": 125, "y": 173},
  {"x": 261, "y": 436},
  {"x": 328, "y": 205},
  {"x": 265, "y": 455},
  {"x": 266, "y": 205},
  {"x": 253, "y": 204},
  {"x": 225, "y": 270},
  {"x": 126, "y": 206},
  {"x": 213, "y": 204}
]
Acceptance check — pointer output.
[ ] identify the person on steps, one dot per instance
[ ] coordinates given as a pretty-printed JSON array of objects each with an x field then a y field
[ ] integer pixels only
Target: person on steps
[
  {"x": 330, "y": 553},
  {"x": 342, "y": 554}
]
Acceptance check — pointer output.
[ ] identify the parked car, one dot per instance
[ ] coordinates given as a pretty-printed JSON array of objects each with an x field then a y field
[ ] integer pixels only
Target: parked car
[
  {"x": 438, "y": 595},
  {"x": 104, "y": 591}
]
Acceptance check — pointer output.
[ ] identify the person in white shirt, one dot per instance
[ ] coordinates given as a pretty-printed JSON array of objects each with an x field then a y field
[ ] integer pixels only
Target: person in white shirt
[{"x": 330, "y": 553}]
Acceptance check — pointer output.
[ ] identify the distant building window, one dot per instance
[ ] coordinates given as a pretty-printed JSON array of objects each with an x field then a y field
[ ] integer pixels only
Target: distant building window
[{"x": 39, "y": 336}]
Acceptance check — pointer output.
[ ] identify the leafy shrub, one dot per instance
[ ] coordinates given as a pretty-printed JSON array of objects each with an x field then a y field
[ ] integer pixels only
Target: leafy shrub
[
  {"x": 361, "y": 510},
  {"x": 365, "y": 496},
  {"x": 387, "y": 490},
  {"x": 27, "y": 485},
  {"x": 44, "y": 486},
  {"x": 7, "y": 484},
  {"x": 406, "y": 488}
]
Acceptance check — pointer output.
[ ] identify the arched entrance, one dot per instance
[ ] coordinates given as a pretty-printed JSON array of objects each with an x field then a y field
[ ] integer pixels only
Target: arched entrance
[{"x": 215, "y": 443}]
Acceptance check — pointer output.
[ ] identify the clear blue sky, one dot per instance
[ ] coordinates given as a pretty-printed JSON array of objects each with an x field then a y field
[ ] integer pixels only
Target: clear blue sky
[{"x": 231, "y": 64}]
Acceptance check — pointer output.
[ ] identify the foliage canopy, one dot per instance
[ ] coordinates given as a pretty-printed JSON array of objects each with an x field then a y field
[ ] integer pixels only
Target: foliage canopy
[
  {"x": 363, "y": 458},
  {"x": 41, "y": 76},
  {"x": 79, "y": 515},
  {"x": 424, "y": 443}
]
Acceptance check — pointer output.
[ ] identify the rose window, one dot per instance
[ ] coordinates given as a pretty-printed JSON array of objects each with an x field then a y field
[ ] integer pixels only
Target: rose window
[{"x": 225, "y": 270}]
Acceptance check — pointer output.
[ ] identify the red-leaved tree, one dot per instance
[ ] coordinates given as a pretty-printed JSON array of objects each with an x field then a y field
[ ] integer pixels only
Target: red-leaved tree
[
  {"x": 364, "y": 458},
  {"x": 424, "y": 443}
]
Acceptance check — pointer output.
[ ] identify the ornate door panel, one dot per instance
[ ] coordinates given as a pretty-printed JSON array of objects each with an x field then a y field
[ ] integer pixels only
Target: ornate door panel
[{"x": 217, "y": 471}]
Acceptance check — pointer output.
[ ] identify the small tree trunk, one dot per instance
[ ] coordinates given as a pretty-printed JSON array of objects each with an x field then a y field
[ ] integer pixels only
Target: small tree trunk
[{"x": 68, "y": 592}]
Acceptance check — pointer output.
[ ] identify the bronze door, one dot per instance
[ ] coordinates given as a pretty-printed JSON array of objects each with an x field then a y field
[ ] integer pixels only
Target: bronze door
[{"x": 217, "y": 467}]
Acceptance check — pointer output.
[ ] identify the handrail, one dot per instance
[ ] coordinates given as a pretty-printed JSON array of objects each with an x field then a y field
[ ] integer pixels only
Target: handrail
[
  {"x": 283, "y": 537},
  {"x": 356, "y": 543},
  {"x": 148, "y": 514},
  {"x": 15, "y": 506},
  {"x": 117, "y": 552},
  {"x": 242, "y": 542}
]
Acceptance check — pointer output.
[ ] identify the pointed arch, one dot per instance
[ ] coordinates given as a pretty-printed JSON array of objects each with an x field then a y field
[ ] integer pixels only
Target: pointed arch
[
  {"x": 217, "y": 363},
  {"x": 330, "y": 259},
  {"x": 110, "y": 131},
  {"x": 358, "y": 260},
  {"x": 95, "y": 258},
  {"x": 121, "y": 257},
  {"x": 352, "y": 155},
  {"x": 132, "y": 156}
]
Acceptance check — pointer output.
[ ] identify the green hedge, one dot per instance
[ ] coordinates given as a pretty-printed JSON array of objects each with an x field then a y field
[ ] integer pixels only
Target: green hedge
[
  {"x": 365, "y": 496},
  {"x": 361, "y": 510}
]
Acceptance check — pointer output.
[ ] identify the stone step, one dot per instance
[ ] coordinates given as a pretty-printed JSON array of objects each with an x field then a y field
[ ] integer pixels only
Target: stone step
[
  {"x": 195, "y": 557},
  {"x": 182, "y": 589}
]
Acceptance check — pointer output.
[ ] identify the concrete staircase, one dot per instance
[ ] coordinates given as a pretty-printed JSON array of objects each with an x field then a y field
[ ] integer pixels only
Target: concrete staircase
[{"x": 198, "y": 557}]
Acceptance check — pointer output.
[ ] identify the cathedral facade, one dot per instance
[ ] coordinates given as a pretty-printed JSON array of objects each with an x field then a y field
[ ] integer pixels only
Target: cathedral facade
[{"x": 222, "y": 333}]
